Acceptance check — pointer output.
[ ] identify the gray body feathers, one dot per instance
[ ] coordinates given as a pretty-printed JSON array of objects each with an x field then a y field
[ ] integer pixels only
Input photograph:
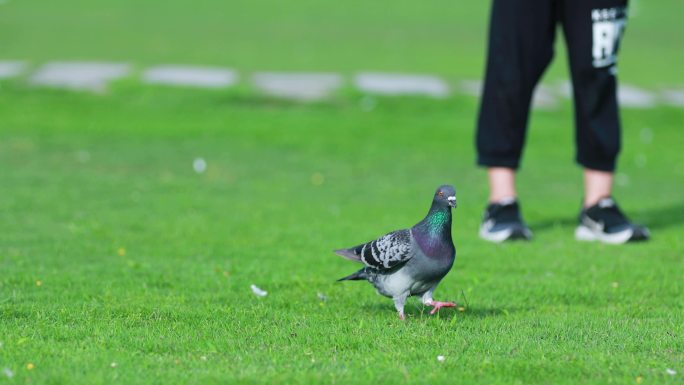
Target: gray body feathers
[{"x": 410, "y": 261}]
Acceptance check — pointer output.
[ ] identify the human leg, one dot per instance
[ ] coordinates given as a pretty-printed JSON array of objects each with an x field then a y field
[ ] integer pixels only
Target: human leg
[
  {"x": 521, "y": 36},
  {"x": 520, "y": 48}
]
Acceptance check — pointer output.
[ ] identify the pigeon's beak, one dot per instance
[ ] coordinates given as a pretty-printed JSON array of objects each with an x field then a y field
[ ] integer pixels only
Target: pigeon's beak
[{"x": 452, "y": 201}]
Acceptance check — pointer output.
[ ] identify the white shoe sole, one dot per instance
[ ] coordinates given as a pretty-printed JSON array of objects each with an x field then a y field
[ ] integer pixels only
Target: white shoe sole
[
  {"x": 504, "y": 235},
  {"x": 584, "y": 233}
]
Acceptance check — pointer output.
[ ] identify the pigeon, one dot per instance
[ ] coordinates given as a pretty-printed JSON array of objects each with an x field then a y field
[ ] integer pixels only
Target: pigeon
[{"x": 410, "y": 262}]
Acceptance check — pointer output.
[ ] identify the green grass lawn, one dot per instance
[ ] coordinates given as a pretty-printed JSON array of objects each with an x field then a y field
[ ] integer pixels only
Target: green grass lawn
[
  {"x": 147, "y": 264},
  {"x": 120, "y": 264}
]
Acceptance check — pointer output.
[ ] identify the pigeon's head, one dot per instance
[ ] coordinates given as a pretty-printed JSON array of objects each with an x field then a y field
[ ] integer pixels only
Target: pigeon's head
[{"x": 446, "y": 195}]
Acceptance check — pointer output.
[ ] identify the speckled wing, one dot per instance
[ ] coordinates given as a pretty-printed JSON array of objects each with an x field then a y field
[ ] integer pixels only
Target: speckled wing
[{"x": 383, "y": 253}]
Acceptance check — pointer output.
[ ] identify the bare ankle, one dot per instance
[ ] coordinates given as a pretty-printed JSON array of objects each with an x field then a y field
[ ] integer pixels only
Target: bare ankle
[
  {"x": 501, "y": 184},
  {"x": 597, "y": 185}
]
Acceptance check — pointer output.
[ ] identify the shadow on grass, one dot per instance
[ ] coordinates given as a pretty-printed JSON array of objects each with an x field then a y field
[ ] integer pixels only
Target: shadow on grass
[
  {"x": 552, "y": 223},
  {"x": 658, "y": 218},
  {"x": 417, "y": 311},
  {"x": 662, "y": 217}
]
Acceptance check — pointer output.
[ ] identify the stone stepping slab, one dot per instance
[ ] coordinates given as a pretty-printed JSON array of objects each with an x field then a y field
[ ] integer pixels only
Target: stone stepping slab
[
  {"x": 188, "y": 76},
  {"x": 634, "y": 97},
  {"x": 674, "y": 97},
  {"x": 90, "y": 76},
  {"x": 305, "y": 86},
  {"x": 10, "y": 69},
  {"x": 301, "y": 86},
  {"x": 401, "y": 84}
]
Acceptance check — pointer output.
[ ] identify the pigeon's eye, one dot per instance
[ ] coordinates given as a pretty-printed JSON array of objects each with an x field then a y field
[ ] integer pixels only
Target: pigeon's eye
[{"x": 441, "y": 194}]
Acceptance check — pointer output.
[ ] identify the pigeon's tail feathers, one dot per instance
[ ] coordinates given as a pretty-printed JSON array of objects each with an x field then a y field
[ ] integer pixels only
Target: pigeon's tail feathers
[
  {"x": 349, "y": 254},
  {"x": 358, "y": 276}
]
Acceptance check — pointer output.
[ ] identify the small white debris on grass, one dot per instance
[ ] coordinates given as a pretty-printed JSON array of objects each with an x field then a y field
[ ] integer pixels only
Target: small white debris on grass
[
  {"x": 300, "y": 86},
  {"x": 646, "y": 135},
  {"x": 202, "y": 77},
  {"x": 88, "y": 76},
  {"x": 322, "y": 296},
  {"x": 401, "y": 84},
  {"x": 113, "y": 365},
  {"x": 203, "y": 358},
  {"x": 671, "y": 372},
  {"x": 622, "y": 179},
  {"x": 257, "y": 291},
  {"x": 9, "y": 69},
  {"x": 82, "y": 156},
  {"x": 8, "y": 372},
  {"x": 199, "y": 165},
  {"x": 441, "y": 358}
]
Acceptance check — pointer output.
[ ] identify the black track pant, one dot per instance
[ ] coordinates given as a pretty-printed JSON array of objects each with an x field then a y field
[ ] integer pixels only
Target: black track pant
[{"x": 521, "y": 39}]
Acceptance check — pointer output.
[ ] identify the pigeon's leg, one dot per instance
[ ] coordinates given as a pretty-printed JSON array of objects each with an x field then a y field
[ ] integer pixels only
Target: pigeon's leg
[
  {"x": 399, "y": 302},
  {"x": 436, "y": 305}
]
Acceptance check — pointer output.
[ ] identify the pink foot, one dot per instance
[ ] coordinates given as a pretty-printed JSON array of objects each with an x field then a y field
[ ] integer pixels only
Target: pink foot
[
  {"x": 436, "y": 305},
  {"x": 401, "y": 317}
]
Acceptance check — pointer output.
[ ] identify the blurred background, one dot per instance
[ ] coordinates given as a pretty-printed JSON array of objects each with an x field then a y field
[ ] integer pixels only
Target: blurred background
[
  {"x": 307, "y": 74},
  {"x": 440, "y": 37}
]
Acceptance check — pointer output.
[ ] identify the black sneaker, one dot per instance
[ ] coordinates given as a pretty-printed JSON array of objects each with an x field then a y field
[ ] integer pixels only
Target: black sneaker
[
  {"x": 606, "y": 223},
  {"x": 502, "y": 222}
]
